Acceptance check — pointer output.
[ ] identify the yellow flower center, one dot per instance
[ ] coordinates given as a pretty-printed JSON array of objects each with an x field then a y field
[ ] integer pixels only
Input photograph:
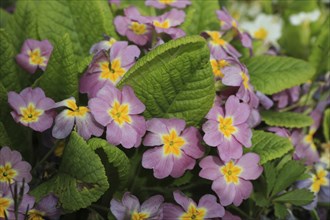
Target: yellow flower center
[
  {"x": 194, "y": 213},
  {"x": 140, "y": 216},
  {"x": 320, "y": 179},
  {"x": 35, "y": 215},
  {"x": 111, "y": 41},
  {"x": 165, "y": 24},
  {"x": 234, "y": 23},
  {"x": 35, "y": 57},
  {"x": 216, "y": 38},
  {"x": 309, "y": 139},
  {"x": 166, "y": 2},
  {"x": 172, "y": 143},
  {"x": 59, "y": 149},
  {"x": 245, "y": 79},
  {"x": 7, "y": 174},
  {"x": 226, "y": 126},
  {"x": 137, "y": 28},
  {"x": 112, "y": 71},
  {"x": 231, "y": 172},
  {"x": 4, "y": 205},
  {"x": 30, "y": 114},
  {"x": 76, "y": 111},
  {"x": 261, "y": 34},
  {"x": 119, "y": 113},
  {"x": 217, "y": 65}
]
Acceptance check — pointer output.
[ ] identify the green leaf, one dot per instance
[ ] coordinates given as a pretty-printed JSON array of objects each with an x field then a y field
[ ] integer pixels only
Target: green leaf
[
  {"x": 260, "y": 199},
  {"x": 174, "y": 80},
  {"x": 320, "y": 56},
  {"x": 185, "y": 179},
  {"x": 270, "y": 175},
  {"x": 201, "y": 16},
  {"x": 81, "y": 179},
  {"x": 326, "y": 125},
  {"x": 269, "y": 146},
  {"x": 4, "y": 139},
  {"x": 280, "y": 211},
  {"x": 286, "y": 119},
  {"x": 85, "y": 21},
  {"x": 290, "y": 172},
  {"x": 60, "y": 80},
  {"x": 271, "y": 74},
  {"x": 298, "y": 197},
  {"x": 4, "y": 17},
  {"x": 120, "y": 164}
]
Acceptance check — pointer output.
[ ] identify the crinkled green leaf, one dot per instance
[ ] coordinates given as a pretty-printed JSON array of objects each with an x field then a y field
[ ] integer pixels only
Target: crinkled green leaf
[
  {"x": 116, "y": 158},
  {"x": 290, "y": 172},
  {"x": 326, "y": 125},
  {"x": 286, "y": 119},
  {"x": 60, "y": 80},
  {"x": 4, "y": 17},
  {"x": 271, "y": 74},
  {"x": 174, "y": 80},
  {"x": 4, "y": 139},
  {"x": 269, "y": 146},
  {"x": 297, "y": 197},
  {"x": 280, "y": 211},
  {"x": 201, "y": 16},
  {"x": 85, "y": 21},
  {"x": 270, "y": 175},
  {"x": 185, "y": 179},
  {"x": 81, "y": 179}
]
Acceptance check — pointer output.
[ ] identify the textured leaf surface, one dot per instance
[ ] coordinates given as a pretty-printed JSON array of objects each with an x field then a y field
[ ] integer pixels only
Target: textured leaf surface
[
  {"x": 269, "y": 146},
  {"x": 60, "y": 80},
  {"x": 81, "y": 178},
  {"x": 290, "y": 172},
  {"x": 270, "y": 74},
  {"x": 4, "y": 17},
  {"x": 175, "y": 80},
  {"x": 280, "y": 211},
  {"x": 286, "y": 119},
  {"x": 297, "y": 197},
  {"x": 4, "y": 139},
  {"x": 270, "y": 174},
  {"x": 85, "y": 21},
  {"x": 326, "y": 125},
  {"x": 201, "y": 16}
]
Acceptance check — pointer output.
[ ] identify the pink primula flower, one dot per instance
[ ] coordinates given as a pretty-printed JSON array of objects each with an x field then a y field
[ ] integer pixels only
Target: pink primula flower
[
  {"x": 161, "y": 4},
  {"x": 231, "y": 179},
  {"x": 119, "y": 112},
  {"x": 34, "y": 54},
  {"x": 176, "y": 149},
  {"x": 75, "y": 115},
  {"x": 207, "y": 208},
  {"x": 32, "y": 108},
  {"x": 105, "y": 70},
  {"x": 227, "y": 128}
]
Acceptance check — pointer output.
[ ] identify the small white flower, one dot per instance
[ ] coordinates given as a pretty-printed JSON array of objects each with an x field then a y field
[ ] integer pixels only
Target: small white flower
[
  {"x": 265, "y": 27},
  {"x": 302, "y": 17}
]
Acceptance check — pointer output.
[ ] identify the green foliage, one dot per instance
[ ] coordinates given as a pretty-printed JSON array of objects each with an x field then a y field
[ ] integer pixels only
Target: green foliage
[
  {"x": 85, "y": 21},
  {"x": 290, "y": 172},
  {"x": 81, "y": 178},
  {"x": 270, "y": 175},
  {"x": 174, "y": 80},
  {"x": 201, "y": 16},
  {"x": 270, "y": 74},
  {"x": 4, "y": 139},
  {"x": 326, "y": 125},
  {"x": 297, "y": 197},
  {"x": 280, "y": 210},
  {"x": 4, "y": 17},
  {"x": 60, "y": 80},
  {"x": 269, "y": 146},
  {"x": 286, "y": 119}
]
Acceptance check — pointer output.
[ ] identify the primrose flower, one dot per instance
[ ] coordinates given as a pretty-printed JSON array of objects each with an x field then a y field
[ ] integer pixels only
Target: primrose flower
[
  {"x": 229, "y": 216},
  {"x": 218, "y": 62},
  {"x": 134, "y": 26},
  {"x": 177, "y": 147},
  {"x": 227, "y": 21},
  {"x": 32, "y": 108},
  {"x": 102, "y": 45},
  {"x": 207, "y": 208},
  {"x": 7, "y": 204},
  {"x": 227, "y": 128},
  {"x": 130, "y": 208},
  {"x": 231, "y": 179},
  {"x": 34, "y": 54},
  {"x": 118, "y": 111},
  {"x": 167, "y": 22},
  {"x": 287, "y": 97},
  {"x": 80, "y": 115},
  {"x": 218, "y": 45},
  {"x": 304, "y": 17},
  {"x": 12, "y": 168},
  {"x": 319, "y": 184},
  {"x": 267, "y": 28},
  {"x": 46, "y": 208},
  {"x": 161, "y": 4},
  {"x": 108, "y": 71}
]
